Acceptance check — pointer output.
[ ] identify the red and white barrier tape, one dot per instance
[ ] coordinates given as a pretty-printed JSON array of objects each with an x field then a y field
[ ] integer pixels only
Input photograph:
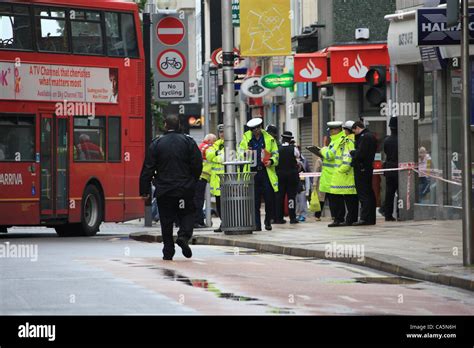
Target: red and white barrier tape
[{"x": 409, "y": 168}]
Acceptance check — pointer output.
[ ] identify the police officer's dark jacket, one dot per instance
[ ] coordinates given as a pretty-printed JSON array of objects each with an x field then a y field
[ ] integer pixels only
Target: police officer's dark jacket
[
  {"x": 175, "y": 164},
  {"x": 390, "y": 147},
  {"x": 287, "y": 162},
  {"x": 366, "y": 147}
]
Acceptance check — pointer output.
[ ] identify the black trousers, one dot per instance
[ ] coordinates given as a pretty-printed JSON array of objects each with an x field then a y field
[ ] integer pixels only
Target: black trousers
[
  {"x": 199, "y": 198},
  {"x": 263, "y": 188},
  {"x": 352, "y": 206},
  {"x": 363, "y": 181},
  {"x": 181, "y": 209},
  {"x": 319, "y": 213},
  {"x": 337, "y": 207},
  {"x": 287, "y": 185},
  {"x": 391, "y": 187}
]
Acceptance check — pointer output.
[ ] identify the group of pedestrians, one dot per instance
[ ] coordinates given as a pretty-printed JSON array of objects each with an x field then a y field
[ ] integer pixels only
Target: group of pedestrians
[
  {"x": 181, "y": 170},
  {"x": 347, "y": 173}
]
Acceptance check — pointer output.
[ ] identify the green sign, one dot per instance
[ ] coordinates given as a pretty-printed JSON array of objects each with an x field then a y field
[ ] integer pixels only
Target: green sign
[
  {"x": 236, "y": 13},
  {"x": 273, "y": 81}
]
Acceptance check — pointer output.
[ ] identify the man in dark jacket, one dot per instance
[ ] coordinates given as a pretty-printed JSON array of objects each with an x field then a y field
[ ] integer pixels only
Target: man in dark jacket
[
  {"x": 288, "y": 178},
  {"x": 174, "y": 162},
  {"x": 390, "y": 147},
  {"x": 363, "y": 159}
]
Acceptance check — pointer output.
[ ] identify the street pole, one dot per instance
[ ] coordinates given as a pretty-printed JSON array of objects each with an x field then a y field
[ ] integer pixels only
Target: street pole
[
  {"x": 468, "y": 232},
  {"x": 148, "y": 115},
  {"x": 207, "y": 121},
  {"x": 228, "y": 72}
]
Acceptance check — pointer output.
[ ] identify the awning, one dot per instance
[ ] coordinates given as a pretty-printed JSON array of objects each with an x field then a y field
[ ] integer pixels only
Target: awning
[{"x": 350, "y": 64}]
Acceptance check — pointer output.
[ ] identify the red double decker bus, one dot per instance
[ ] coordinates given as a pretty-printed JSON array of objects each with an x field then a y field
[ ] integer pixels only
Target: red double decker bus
[{"x": 71, "y": 114}]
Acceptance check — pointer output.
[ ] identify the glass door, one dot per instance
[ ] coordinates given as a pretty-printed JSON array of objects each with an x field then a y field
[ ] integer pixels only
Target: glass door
[{"x": 54, "y": 169}]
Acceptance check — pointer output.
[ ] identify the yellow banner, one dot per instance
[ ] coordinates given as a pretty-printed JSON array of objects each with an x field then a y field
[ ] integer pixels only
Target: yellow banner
[{"x": 265, "y": 28}]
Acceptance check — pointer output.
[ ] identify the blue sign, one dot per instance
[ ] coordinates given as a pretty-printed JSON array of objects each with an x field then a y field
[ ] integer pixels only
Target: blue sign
[
  {"x": 433, "y": 30},
  {"x": 239, "y": 76}
]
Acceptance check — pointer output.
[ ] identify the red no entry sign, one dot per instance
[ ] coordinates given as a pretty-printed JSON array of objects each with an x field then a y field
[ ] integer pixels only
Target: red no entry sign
[{"x": 170, "y": 31}]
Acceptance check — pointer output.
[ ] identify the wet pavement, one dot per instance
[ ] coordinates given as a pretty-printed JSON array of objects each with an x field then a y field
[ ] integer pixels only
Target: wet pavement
[{"x": 111, "y": 274}]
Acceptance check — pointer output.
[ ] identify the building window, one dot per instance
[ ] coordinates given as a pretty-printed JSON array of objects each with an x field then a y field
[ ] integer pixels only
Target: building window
[
  {"x": 121, "y": 35},
  {"x": 51, "y": 30},
  {"x": 15, "y": 28},
  {"x": 114, "y": 140},
  {"x": 89, "y": 139},
  {"x": 86, "y": 32},
  {"x": 17, "y": 138}
]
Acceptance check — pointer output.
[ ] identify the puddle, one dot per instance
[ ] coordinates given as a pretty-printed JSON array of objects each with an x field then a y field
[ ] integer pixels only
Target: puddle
[
  {"x": 386, "y": 280},
  {"x": 211, "y": 287}
]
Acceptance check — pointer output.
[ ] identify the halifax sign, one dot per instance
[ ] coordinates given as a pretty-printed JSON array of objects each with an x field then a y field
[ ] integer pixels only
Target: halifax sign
[{"x": 433, "y": 30}]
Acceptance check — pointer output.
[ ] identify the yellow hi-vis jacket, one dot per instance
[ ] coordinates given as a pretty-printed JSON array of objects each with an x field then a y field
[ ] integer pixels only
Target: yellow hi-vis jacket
[
  {"x": 271, "y": 146},
  {"x": 329, "y": 162},
  {"x": 215, "y": 155},
  {"x": 343, "y": 181}
]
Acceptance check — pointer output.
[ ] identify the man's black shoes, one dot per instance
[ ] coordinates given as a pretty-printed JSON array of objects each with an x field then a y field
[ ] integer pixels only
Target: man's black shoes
[
  {"x": 187, "y": 253},
  {"x": 363, "y": 223},
  {"x": 337, "y": 224},
  {"x": 268, "y": 227}
]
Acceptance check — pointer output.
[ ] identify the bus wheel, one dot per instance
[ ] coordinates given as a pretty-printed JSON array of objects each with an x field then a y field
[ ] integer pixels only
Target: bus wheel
[{"x": 92, "y": 211}]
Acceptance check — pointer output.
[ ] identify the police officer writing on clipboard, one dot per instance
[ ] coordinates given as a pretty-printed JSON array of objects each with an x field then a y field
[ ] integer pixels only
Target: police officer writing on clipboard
[{"x": 174, "y": 162}]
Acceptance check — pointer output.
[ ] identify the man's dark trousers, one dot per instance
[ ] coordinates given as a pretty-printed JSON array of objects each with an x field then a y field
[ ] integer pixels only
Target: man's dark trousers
[
  {"x": 391, "y": 187},
  {"x": 172, "y": 208},
  {"x": 199, "y": 199},
  {"x": 352, "y": 205},
  {"x": 263, "y": 187},
  {"x": 337, "y": 207},
  {"x": 287, "y": 185},
  {"x": 365, "y": 192}
]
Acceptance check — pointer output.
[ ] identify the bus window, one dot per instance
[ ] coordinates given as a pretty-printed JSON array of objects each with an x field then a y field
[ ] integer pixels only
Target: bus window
[
  {"x": 114, "y": 138},
  {"x": 51, "y": 30},
  {"x": 17, "y": 138},
  {"x": 121, "y": 35},
  {"x": 15, "y": 28},
  {"x": 89, "y": 139},
  {"x": 86, "y": 31}
]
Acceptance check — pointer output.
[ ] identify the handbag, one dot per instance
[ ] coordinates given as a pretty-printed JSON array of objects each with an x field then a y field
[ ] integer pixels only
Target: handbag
[{"x": 314, "y": 205}]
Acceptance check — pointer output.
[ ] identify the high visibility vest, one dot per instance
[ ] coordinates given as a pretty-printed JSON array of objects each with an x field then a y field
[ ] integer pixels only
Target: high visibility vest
[
  {"x": 342, "y": 181},
  {"x": 271, "y": 146},
  {"x": 329, "y": 162},
  {"x": 206, "y": 164},
  {"x": 215, "y": 156}
]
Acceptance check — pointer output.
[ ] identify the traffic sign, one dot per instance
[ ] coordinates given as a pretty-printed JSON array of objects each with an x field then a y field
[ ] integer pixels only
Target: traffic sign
[
  {"x": 217, "y": 57},
  {"x": 170, "y": 57},
  {"x": 171, "y": 90},
  {"x": 171, "y": 63},
  {"x": 170, "y": 31}
]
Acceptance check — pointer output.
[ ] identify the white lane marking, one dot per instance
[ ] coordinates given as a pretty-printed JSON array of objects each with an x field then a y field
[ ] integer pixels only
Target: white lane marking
[{"x": 348, "y": 298}]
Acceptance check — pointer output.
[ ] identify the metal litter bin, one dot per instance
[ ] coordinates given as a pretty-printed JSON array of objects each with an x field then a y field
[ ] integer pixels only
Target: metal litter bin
[{"x": 237, "y": 203}]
